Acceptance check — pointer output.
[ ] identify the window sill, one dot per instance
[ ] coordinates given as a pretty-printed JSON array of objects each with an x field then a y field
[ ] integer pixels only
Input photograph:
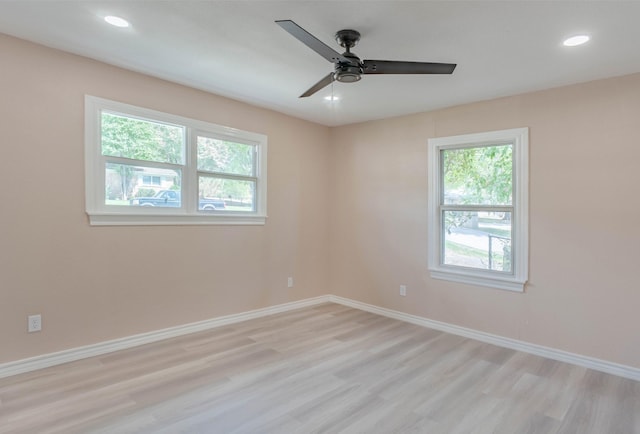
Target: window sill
[
  {"x": 110, "y": 219},
  {"x": 509, "y": 284}
]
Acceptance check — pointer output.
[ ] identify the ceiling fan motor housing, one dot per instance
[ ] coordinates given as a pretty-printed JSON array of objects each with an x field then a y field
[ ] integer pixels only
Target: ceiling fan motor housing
[{"x": 348, "y": 72}]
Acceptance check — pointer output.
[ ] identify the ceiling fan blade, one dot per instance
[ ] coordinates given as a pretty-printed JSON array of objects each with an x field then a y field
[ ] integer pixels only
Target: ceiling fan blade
[
  {"x": 311, "y": 41},
  {"x": 319, "y": 85},
  {"x": 394, "y": 67}
]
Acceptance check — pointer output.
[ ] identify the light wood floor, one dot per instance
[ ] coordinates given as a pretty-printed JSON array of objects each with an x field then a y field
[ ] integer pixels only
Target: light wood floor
[{"x": 329, "y": 369}]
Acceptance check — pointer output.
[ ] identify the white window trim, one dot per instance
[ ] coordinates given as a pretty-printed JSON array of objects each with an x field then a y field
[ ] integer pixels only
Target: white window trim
[
  {"x": 110, "y": 215},
  {"x": 515, "y": 281}
]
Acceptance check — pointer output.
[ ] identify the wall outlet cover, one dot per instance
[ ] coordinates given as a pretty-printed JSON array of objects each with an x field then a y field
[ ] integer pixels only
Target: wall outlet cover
[{"x": 34, "y": 323}]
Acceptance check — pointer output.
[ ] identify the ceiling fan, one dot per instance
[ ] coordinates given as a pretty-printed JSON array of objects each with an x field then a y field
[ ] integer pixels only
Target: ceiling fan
[{"x": 348, "y": 66}]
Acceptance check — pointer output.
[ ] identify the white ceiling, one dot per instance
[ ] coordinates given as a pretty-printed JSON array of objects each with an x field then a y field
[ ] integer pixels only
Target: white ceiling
[{"x": 234, "y": 48}]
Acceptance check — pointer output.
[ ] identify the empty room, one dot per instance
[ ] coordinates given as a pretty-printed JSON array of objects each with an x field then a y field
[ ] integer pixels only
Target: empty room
[{"x": 319, "y": 217}]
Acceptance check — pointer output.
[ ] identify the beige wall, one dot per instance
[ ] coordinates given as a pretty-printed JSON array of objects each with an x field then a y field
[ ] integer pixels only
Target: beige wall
[
  {"x": 347, "y": 215},
  {"x": 583, "y": 293},
  {"x": 97, "y": 283}
]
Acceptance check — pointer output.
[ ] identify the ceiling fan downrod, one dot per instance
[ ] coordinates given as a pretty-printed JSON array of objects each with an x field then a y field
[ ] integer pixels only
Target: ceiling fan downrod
[{"x": 351, "y": 71}]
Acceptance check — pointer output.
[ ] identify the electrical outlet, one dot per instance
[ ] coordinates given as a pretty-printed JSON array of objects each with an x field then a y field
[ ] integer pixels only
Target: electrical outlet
[
  {"x": 34, "y": 323},
  {"x": 403, "y": 290},
  {"x": 290, "y": 282}
]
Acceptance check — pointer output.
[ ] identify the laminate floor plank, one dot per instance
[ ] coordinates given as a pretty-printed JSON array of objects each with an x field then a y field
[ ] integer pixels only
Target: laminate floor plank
[{"x": 323, "y": 369}]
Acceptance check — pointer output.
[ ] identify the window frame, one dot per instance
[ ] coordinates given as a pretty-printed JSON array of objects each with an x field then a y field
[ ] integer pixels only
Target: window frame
[
  {"x": 101, "y": 214},
  {"x": 516, "y": 280}
]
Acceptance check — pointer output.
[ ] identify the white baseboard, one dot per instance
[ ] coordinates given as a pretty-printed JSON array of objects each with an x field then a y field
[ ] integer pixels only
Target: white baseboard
[
  {"x": 52, "y": 359},
  {"x": 538, "y": 350},
  {"x": 72, "y": 354}
]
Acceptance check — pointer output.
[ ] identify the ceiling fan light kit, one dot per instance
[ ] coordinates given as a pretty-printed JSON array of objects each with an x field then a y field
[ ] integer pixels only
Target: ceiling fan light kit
[{"x": 348, "y": 68}]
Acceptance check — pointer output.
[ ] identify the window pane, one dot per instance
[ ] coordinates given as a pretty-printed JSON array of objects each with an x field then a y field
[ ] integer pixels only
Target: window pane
[
  {"x": 478, "y": 240},
  {"x": 125, "y": 186},
  {"x": 225, "y": 157},
  {"x": 235, "y": 195},
  {"x": 142, "y": 140},
  {"x": 151, "y": 180},
  {"x": 479, "y": 176}
]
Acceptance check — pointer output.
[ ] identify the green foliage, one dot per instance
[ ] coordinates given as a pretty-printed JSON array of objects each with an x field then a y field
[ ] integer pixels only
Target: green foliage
[
  {"x": 139, "y": 140},
  {"x": 142, "y": 140},
  {"x": 456, "y": 219},
  {"x": 481, "y": 175},
  {"x": 225, "y": 157},
  {"x": 476, "y": 176},
  {"x": 219, "y": 156},
  {"x": 146, "y": 192}
]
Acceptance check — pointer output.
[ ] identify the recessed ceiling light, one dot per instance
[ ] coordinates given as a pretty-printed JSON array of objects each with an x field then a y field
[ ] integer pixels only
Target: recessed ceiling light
[
  {"x": 116, "y": 21},
  {"x": 575, "y": 40},
  {"x": 331, "y": 98}
]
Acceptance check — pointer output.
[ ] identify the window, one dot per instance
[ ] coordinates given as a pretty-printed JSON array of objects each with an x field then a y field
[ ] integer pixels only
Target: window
[
  {"x": 147, "y": 167},
  {"x": 150, "y": 180},
  {"x": 478, "y": 208}
]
